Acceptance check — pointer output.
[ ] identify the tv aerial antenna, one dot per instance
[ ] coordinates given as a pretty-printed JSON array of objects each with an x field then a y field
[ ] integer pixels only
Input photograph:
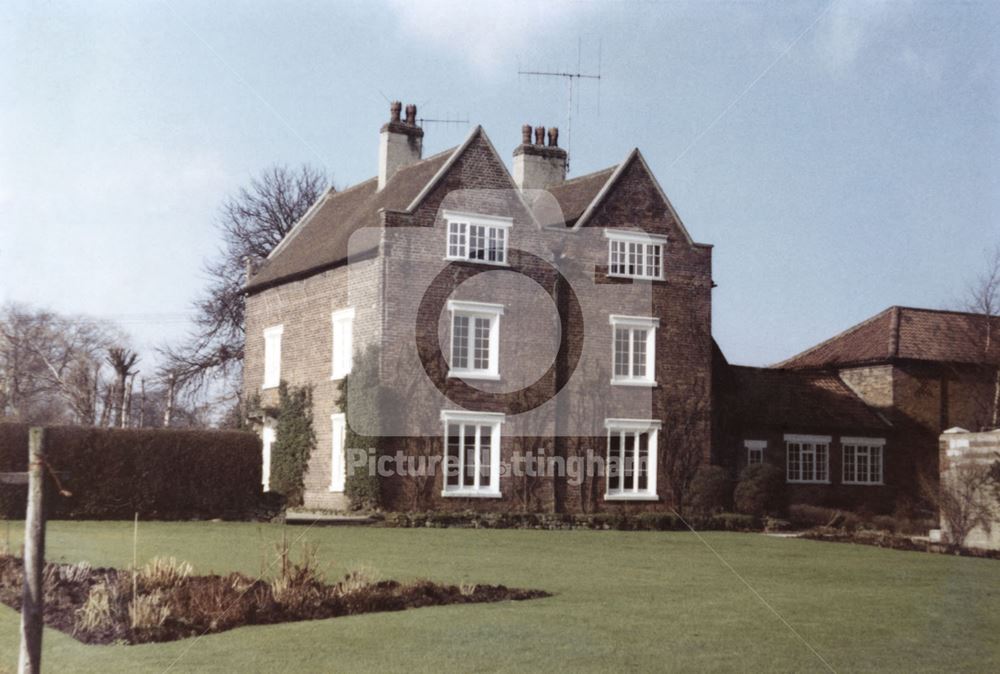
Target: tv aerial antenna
[
  {"x": 574, "y": 80},
  {"x": 447, "y": 120}
]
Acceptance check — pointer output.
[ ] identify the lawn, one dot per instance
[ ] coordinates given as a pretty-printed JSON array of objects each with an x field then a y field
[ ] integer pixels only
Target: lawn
[{"x": 623, "y": 600}]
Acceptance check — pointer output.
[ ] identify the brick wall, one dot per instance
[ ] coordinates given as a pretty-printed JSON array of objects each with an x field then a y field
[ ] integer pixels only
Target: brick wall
[
  {"x": 304, "y": 308},
  {"x": 529, "y": 341},
  {"x": 897, "y": 473}
]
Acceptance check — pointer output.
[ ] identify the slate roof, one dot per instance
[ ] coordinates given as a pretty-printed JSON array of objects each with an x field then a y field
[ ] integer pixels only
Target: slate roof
[
  {"x": 790, "y": 399},
  {"x": 573, "y": 196},
  {"x": 906, "y": 333},
  {"x": 320, "y": 240}
]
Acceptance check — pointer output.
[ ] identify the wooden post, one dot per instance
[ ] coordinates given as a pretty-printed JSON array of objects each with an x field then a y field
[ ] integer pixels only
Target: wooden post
[{"x": 30, "y": 658}]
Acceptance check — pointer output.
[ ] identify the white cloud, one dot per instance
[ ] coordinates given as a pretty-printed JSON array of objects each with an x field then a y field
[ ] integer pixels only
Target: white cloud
[
  {"x": 851, "y": 27},
  {"x": 486, "y": 34}
]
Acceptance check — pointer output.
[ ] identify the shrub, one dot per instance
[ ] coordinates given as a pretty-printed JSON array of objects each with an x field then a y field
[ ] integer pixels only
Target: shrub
[
  {"x": 808, "y": 515},
  {"x": 711, "y": 490},
  {"x": 164, "y": 572},
  {"x": 148, "y": 611},
  {"x": 98, "y": 610},
  {"x": 653, "y": 521},
  {"x": 964, "y": 500},
  {"x": 363, "y": 409},
  {"x": 885, "y": 523},
  {"x": 159, "y": 473},
  {"x": 358, "y": 579},
  {"x": 294, "y": 440},
  {"x": 734, "y": 522},
  {"x": 760, "y": 491}
]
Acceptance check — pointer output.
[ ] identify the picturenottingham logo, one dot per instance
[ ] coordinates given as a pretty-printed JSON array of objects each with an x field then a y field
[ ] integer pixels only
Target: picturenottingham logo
[{"x": 575, "y": 469}]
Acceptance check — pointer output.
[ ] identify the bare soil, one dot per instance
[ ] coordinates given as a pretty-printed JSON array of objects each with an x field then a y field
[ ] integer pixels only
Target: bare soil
[{"x": 197, "y": 605}]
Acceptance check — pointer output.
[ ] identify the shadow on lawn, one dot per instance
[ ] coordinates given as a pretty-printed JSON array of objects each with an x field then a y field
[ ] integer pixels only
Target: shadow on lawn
[{"x": 163, "y": 601}]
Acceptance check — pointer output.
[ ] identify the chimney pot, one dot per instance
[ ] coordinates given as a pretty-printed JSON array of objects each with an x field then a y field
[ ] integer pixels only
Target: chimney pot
[
  {"x": 400, "y": 142},
  {"x": 537, "y": 166}
]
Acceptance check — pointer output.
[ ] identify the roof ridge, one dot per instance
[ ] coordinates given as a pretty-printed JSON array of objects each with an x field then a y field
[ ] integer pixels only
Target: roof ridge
[
  {"x": 356, "y": 185},
  {"x": 839, "y": 335},
  {"x": 953, "y": 312},
  {"x": 587, "y": 175},
  {"x": 420, "y": 161}
]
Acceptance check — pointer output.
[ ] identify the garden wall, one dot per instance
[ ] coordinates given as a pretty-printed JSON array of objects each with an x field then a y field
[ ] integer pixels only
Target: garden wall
[
  {"x": 962, "y": 448},
  {"x": 163, "y": 474}
]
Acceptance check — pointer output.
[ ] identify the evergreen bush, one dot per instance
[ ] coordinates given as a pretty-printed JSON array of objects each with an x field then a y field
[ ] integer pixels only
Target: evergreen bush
[{"x": 294, "y": 441}]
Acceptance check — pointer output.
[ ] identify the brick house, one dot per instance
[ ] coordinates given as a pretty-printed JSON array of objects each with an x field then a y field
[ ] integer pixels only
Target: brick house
[
  {"x": 923, "y": 370},
  {"x": 523, "y": 315},
  {"x": 606, "y": 249},
  {"x": 834, "y": 449}
]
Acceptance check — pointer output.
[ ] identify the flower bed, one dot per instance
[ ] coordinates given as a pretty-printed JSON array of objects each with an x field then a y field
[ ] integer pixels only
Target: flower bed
[
  {"x": 97, "y": 605},
  {"x": 884, "y": 539},
  {"x": 620, "y": 521}
]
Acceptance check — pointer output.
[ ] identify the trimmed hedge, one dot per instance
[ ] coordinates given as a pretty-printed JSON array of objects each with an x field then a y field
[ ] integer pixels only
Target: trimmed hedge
[
  {"x": 711, "y": 490},
  {"x": 761, "y": 490},
  {"x": 643, "y": 521},
  {"x": 163, "y": 474}
]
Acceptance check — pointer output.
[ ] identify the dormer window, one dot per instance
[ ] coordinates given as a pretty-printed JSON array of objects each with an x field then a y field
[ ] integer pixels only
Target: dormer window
[
  {"x": 479, "y": 238},
  {"x": 635, "y": 254}
]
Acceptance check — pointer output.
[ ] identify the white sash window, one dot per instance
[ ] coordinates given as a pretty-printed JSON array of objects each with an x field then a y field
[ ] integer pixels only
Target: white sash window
[{"x": 472, "y": 453}]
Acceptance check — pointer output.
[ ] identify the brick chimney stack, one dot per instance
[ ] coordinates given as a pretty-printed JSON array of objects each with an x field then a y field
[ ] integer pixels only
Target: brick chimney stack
[
  {"x": 538, "y": 166},
  {"x": 400, "y": 142}
]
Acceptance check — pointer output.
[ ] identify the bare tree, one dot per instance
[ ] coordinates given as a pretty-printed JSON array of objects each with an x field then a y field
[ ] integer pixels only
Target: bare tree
[
  {"x": 252, "y": 222},
  {"x": 50, "y": 365},
  {"x": 964, "y": 499},
  {"x": 983, "y": 297},
  {"x": 121, "y": 360}
]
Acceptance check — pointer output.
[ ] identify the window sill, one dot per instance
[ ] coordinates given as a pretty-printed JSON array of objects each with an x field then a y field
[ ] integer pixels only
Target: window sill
[
  {"x": 807, "y": 481},
  {"x": 633, "y": 382},
  {"x": 486, "y": 376},
  {"x": 268, "y": 387},
  {"x": 631, "y": 497},
  {"x": 467, "y": 493},
  {"x": 635, "y": 278},
  {"x": 465, "y": 259},
  {"x": 338, "y": 376},
  {"x": 336, "y": 491},
  {"x": 864, "y": 484}
]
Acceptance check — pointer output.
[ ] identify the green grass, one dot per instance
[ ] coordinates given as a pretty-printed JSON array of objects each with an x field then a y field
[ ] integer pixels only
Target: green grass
[{"x": 623, "y": 600}]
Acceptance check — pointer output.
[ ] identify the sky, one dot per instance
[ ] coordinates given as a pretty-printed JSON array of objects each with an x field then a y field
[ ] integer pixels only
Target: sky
[{"x": 841, "y": 156}]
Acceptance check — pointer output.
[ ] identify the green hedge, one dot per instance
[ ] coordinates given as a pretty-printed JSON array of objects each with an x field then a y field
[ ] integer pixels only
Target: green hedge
[
  {"x": 643, "y": 521},
  {"x": 162, "y": 474}
]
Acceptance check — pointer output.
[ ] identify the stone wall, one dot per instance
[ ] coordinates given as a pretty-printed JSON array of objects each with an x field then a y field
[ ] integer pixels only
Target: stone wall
[{"x": 962, "y": 449}]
